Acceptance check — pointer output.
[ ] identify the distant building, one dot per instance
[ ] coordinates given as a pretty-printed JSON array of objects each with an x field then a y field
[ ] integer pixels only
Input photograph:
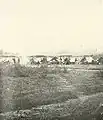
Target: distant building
[
  {"x": 100, "y": 60},
  {"x": 72, "y": 60},
  {"x": 64, "y": 59},
  {"x": 78, "y": 59},
  {"x": 54, "y": 60},
  {"x": 49, "y": 58},
  {"x": 10, "y": 58},
  {"x": 87, "y": 59},
  {"x": 37, "y": 59}
]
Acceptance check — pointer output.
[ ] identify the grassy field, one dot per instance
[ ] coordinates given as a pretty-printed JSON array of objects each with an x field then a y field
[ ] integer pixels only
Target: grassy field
[{"x": 51, "y": 93}]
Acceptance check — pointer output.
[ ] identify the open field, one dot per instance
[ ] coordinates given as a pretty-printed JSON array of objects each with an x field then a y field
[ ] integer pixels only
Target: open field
[{"x": 52, "y": 93}]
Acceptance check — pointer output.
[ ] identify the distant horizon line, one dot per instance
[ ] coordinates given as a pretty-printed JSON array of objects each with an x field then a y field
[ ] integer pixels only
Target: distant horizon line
[{"x": 51, "y": 53}]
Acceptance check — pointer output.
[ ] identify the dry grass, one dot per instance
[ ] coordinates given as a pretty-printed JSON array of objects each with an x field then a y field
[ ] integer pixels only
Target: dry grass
[{"x": 57, "y": 90}]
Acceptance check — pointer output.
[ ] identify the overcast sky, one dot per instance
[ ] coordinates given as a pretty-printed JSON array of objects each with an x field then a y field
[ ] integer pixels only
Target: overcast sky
[{"x": 51, "y": 26}]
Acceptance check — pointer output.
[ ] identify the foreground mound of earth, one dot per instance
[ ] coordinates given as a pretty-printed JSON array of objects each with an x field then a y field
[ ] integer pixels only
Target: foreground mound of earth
[{"x": 83, "y": 108}]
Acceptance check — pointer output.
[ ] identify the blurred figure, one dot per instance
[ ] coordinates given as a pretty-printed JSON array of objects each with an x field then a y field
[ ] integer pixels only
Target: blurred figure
[
  {"x": 18, "y": 60},
  {"x": 14, "y": 61}
]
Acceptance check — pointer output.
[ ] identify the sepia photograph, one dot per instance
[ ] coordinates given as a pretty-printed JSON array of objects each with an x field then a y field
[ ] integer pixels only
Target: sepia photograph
[{"x": 51, "y": 60}]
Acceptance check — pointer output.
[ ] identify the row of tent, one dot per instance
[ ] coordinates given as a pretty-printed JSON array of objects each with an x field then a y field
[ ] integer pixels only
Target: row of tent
[
  {"x": 65, "y": 60},
  {"x": 10, "y": 59},
  {"x": 36, "y": 60}
]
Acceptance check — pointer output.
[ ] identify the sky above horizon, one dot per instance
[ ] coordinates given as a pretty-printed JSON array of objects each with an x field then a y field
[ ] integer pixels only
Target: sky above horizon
[{"x": 51, "y": 26}]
